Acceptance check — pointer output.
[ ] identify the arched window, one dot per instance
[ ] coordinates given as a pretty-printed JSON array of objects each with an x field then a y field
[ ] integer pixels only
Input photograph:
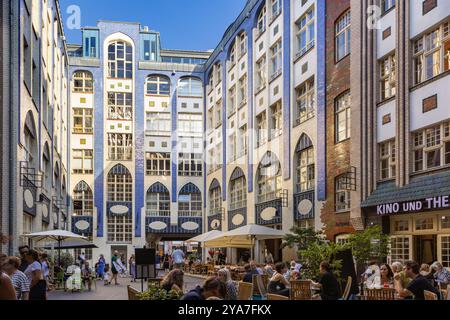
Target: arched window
[
  {"x": 83, "y": 200},
  {"x": 304, "y": 154},
  {"x": 190, "y": 201},
  {"x": 233, "y": 54},
  {"x": 120, "y": 60},
  {"x": 47, "y": 181},
  {"x": 158, "y": 201},
  {"x": 215, "y": 198},
  {"x": 83, "y": 82},
  {"x": 269, "y": 178},
  {"x": 261, "y": 25},
  {"x": 190, "y": 87},
  {"x": 120, "y": 184},
  {"x": 158, "y": 85},
  {"x": 30, "y": 140},
  {"x": 238, "y": 190}
]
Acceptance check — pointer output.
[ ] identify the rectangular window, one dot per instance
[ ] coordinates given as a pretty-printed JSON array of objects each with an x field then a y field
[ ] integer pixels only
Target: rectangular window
[
  {"x": 190, "y": 164},
  {"x": 401, "y": 226},
  {"x": 343, "y": 117},
  {"x": 261, "y": 127},
  {"x": 387, "y": 158},
  {"x": 276, "y": 120},
  {"x": 83, "y": 161},
  {"x": 275, "y": 60},
  {"x": 120, "y": 229},
  {"x": 387, "y": 77},
  {"x": 261, "y": 74},
  {"x": 342, "y": 194},
  {"x": 242, "y": 92},
  {"x": 158, "y": 205},
  {"x": 158, "y": 123},
  {"x": 232, "y": 147},
  {"x": 424, "y": 224},
  {"x": 231, "y": 105},
  {"x": 243, "y": 142},
  {"x": 120, "y": 146},
  {"x": 120, "y": 106},
  {"x": 306, "y": 103},
  {"x": 242, "y": 44},
  {"x": 342, "y": 34},
  {"x": 276, "y": 8},
  {"x": 400, "y": 249},
  {"x": 305, "y": 33},
  {"x": 90, "y": 42},
  {"x": 190, "y": 124},
  {"x": 445, "y": 251},
  {"x": 158, "y": 164},
  {"x": 82, "y": 120},
  {"x": 387, "y": 5}
]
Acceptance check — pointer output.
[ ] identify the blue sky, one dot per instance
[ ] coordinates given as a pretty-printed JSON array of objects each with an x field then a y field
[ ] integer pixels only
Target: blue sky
[{"x": 183, "y": 24}]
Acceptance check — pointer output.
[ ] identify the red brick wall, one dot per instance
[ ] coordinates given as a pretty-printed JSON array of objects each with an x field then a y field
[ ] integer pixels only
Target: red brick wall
[{"x": 338, "y": 155}]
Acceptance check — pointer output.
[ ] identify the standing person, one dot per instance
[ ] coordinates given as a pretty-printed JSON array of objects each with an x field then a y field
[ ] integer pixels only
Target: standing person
[
  {"x": 81, "y": 259},
  {"x": 132, "y": 266},
  {"x": 18, "y": 278},
  {"x": 173, "y": 281},
  {"x": 35, "y": 276},
  {"x": 418, "y": 283},
  {"x": 329, "y": 285},
  {"x": 268, "y": 257},
  {"x": 45, "y": 269},
  {"x": 231, "y": 290},
  {"x": 178, "y": 258},
  {"x": 166, "y": 263},
  {"x": 441, "y": 274},
  {"x": 387, "y": 276},
  {"x": 23, "y": 250},
  {"x": 101, "y": 266},
  {"x": 114, "y": 266}
]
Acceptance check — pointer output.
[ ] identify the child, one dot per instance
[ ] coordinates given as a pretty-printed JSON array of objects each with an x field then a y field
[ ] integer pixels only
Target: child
[{"x": 106, "y": 275}]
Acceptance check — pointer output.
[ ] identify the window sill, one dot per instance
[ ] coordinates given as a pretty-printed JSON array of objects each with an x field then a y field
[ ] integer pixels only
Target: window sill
[
  {"x": 428, "y": 171},
  {"x": 426, "y": 82},
  {"x": 304, "y": 52},
  {"x": 258, "y": 90},
  {"x": 383, "y": 13},
  {"x": 82, "y": 92},
  {"x": 259, "y": 35},
  {"x": 275, "y": 76},
  {"x": 275, "y": 17},
  {"x": 385, "y": 101},
  {"x": 341, "y": 59},
  {"x": 299, "y": 122},
  {"x": 342, "y": 141}
]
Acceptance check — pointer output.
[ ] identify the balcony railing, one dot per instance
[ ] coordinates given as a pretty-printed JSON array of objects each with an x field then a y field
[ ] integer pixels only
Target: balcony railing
[
  {"x": 238, "y": 204},
  {"x": 157, "y": 214},
  {"x": 189, "y": 214},
  {"x": 269, "y": 196},
  {"x": 83, "y": 213}
]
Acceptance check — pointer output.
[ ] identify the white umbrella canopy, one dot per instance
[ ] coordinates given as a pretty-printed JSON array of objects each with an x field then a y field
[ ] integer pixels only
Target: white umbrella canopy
[
  {"x": 54, "y": 235},
  {"x": 206, "y": 236}
]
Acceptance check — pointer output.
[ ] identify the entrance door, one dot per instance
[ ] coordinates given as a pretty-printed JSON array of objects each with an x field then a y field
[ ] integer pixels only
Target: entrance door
[{"x": 425, "y": 249}]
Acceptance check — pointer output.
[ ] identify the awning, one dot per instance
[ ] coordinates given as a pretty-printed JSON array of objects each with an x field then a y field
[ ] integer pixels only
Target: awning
[
  {"x": 81, "y": 244},
  {"x": 419, "y": 188},
  {"x": 206, "y": 236}
]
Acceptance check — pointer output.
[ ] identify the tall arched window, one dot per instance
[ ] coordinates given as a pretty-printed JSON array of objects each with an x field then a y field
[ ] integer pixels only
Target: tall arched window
[
  {"x": 261, "y": 25},
  {"x": 30, "y": 140},
  {"x": 215, "y": 198},
  {"x": 304, "y": 153},
  {"x": 158, "y": 201},
  {"x": 190, "y": 201},
  {"x": 47, "y": 179},
  {"x": 120, "y": 184},
  {"x": 190, "y": 87},
  {"x": 158, "y": 85},
  {"x": 238, "y": 190},
  {"x": 269, "y": 178},
  {"x": 233, "y": 54},
  {"x": 83, "y": 200},
  {"x": 120, "y": 60},
  {"x": 57, "y": 180},
  {"x": 83, "y": 82}
]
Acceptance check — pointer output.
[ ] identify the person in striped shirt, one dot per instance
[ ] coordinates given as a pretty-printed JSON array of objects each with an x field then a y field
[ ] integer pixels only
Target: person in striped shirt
[{"x": 19, "y": 280}]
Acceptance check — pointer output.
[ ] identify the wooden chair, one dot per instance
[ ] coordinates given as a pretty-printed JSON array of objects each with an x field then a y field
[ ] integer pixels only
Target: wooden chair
[
  {"x": 301, "y": 290},
  {"x": 260, "y": 284},
  {"x": 380, "y": 294},
  {"x": 276, "y": 297},
  {"x": 444, "y": 294},
  {"x": 245, "y": 291},
  {"x": 430, "y": 295},
  {"x": 347, "y": 289},
  {"x": 132, "y": 293},
  {"x": 154, "y": 282}
]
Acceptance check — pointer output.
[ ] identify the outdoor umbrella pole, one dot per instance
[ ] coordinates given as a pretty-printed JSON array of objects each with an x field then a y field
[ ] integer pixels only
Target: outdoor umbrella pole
[{"x": 59, "y": 252}]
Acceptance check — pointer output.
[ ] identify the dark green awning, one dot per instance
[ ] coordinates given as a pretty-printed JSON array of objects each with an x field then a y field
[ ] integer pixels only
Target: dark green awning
[{"x": 419, "y": 188}]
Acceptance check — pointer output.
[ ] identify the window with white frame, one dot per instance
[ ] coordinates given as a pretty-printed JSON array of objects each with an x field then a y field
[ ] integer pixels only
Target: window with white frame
[
  {"x": 82, "y": 161},
  {"x": 387, "y": 154},
  {"x": 242, "y": 92},
  {"x": 233, "y": 55},
  {"x": 211, "y": 161},
  {"x": 276, "y": 8},
  {"x": 88, "y": 254},
  {"x": 343, "y": 117},
  {"x": 219, "y": 160},
  {"x": 158, "y": 123},
  {"x": 262, "y": 20},
  {"x": 190, "y": 203},
  {"x": 82, "y": 120},
  {"x": 218, "y": 113},
  {"x": 387, "y": 77},
  {"x": 387, "y": 5},
  {"x": 261, "y": 73},
  {"x": 83, "y": 82},
  {"x": 215, "y": 201},
  {"x": 190, "y": 124},
  {"x": 158, "y": 164},
  {"x": 232, "y": 147},
  {"x": 190, "y": 87},
  {"x": 305, "y": 33},
  {"x": 120, "y": 185},
  {"x": 120, "y": 106},
  {"x": 432, "y": 147},
  {"x": 158, "y": 85},
  {"x": 261, "y": 129},
  {"x": 401, "y": 225},
  {"x": 445, "y": 222},
  {"x": 83, "y": 200},
  {"x": 275, "y": 60},
  {"x": 342, "y": 194},
  {"x": 445, "y": 251},
  {"x": 305, "y": 170},
  {"x": 238, "y": 193},
  {"x": 432, "y": 53},
  {"x": 243, "y": 142},
  {"x": 190, "y": 164},
  {"x": 158, "y": 204},
  {"x": 120, "y": 60},
  {"x": 218, "y": 68},
  {"x": 306, "y": 102},
  {"x": 231, "y": 105},
  {"x": 27, "y": 224},
  {"x": 242, "y": 44},
  {"x": 120, "y": 229},
  {"x": 342, "y": 34},
  {"x": 424, "y": 223},
  {"x": 400, "y": 249},
  {"x": 269, "y": 179},
  {"x": 120, "y": 146},
  {"x": 276, "y": 120}
]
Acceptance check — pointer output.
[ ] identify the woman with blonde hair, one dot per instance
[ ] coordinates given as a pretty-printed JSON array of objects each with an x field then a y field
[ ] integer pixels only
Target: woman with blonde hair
[
  {"x": 174, "y": 280},
  {"x": 225, "y": 278}
]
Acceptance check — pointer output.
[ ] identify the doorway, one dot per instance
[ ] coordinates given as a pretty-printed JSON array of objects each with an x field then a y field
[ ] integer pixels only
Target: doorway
[{"x": 425, "y": 249}]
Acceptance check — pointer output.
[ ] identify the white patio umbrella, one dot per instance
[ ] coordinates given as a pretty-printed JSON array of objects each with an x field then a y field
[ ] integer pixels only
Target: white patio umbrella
[
  {"x": 206, "y": 236},
  {"x": 57, "y": 236}
]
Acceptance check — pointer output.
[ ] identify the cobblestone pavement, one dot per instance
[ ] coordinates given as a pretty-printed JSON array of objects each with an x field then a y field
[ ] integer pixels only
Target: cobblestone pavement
[{"x": 113, "y": 292}]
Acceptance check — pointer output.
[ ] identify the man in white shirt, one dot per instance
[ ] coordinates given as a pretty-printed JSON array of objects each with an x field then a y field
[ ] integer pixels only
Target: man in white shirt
[{"x": 178, "y": 258}]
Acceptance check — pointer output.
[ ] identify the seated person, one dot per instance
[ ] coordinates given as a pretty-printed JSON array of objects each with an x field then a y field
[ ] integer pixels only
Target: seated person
[
  {"x": 86, "y": 275},
  {"x": 173, "y": 281},
  {"x": 328, "y": 284},
  {"x": 418, "y": 283},
  {"x": 278, "y": 283},
  {"x": 73, "y": 283},
  {"x": 211, "y": 289},
  {"x": 249, "y": 272}
]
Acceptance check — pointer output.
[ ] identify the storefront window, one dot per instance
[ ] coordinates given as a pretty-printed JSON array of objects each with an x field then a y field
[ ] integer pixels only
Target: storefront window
[
  {"x": 445, "y": 251},
  {"x": 424, "y": 224},
  {"x": 400, "y": 249},
  {"x": 445, "y": 222},
  {"x": 401, "y": 225}
]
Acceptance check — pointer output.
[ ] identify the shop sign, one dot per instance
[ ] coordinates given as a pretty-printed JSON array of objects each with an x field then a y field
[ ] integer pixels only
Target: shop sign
[{"x": 435, "y": 203}]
